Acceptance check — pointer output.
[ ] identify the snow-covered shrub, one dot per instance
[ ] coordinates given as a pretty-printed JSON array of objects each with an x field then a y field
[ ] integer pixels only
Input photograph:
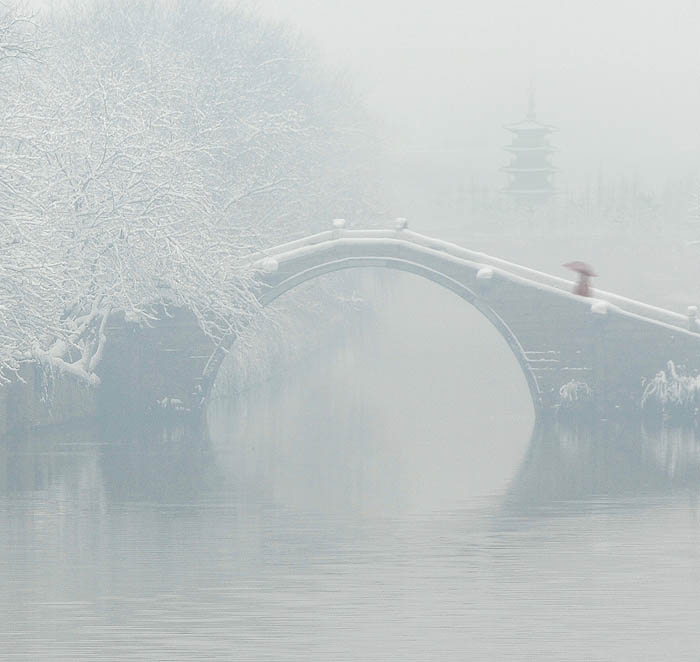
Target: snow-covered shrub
[
  {"x": 575, "y": 394},
  {"x": 575, "y": 399},
  {"x": 672, "y": 393}
]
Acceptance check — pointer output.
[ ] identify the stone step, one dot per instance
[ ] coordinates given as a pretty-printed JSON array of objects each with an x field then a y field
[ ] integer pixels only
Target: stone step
[{"x": 557, "y": 367}]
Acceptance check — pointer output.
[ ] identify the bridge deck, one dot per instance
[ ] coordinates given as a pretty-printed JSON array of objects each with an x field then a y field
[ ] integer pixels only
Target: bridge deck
[{"x": 475, "y": 259}]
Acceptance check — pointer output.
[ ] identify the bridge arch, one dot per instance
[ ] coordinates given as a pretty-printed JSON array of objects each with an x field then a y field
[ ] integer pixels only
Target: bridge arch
[
  {"x": 273, "y": 291},
  {"x": 608, "y": 344}
]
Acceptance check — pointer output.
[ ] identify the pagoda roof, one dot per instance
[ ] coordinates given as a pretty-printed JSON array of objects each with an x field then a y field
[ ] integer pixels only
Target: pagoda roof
[
  {"x": 536, "y": 191},
  {"x": 528, "y": 170},
  {"x": 530, "y": 124},
  {"x": 541, "y": 148}
]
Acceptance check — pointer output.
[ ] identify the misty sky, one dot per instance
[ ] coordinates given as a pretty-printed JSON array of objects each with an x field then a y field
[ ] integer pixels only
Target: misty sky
[{"x": 620, "y": 79}]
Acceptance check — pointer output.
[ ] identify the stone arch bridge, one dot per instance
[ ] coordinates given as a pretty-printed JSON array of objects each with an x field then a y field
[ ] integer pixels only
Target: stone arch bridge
[{"x": 610, "y": 343}]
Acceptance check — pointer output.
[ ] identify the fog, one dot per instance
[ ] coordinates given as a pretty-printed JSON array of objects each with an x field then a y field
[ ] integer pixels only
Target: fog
[
  {"x": 621, "y": 82},
  {"x": 339, "y": 330},
  {"x": 620, "y": 85}
]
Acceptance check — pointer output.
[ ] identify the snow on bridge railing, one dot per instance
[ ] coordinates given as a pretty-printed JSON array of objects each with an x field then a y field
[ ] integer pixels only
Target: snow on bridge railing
[
  {"x": 311, "y": 240},
  {"x": 320, "y": 238},
  {"x": 454, "y": 250},
  {"x": 630, "y": 305}
]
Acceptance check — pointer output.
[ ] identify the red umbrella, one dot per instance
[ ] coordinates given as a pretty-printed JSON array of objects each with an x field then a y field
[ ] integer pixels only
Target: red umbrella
[{"x": 581, "y": 267}]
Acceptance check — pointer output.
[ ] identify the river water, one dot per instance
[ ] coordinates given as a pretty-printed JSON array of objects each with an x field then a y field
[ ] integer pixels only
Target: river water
[{"x": 388, "y": 501}]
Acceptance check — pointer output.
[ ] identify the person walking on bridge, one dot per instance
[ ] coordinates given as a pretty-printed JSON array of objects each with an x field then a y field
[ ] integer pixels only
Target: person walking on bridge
[{"x": 585, "y": 273}]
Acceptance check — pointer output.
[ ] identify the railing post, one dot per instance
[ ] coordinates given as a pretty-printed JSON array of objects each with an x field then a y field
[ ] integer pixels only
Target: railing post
[
  {"x": 603, "y": 390},
  {"x": 484, "y": 278},
  {"x": 268, "y": 265},
  {"x": 692, "y": 318},
  {"x": 401, "y": 223},
  {"x": 338, "y": 225}
]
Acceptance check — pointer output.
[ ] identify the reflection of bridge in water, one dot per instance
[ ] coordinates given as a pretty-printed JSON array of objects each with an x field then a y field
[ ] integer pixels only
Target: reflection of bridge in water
[
  {"x": 568, "y": 468},
  {"x": 609, "y": 342}
]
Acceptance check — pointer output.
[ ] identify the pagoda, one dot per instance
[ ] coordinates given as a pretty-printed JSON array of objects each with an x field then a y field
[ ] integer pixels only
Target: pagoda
[{"x": 530, "y": 170}]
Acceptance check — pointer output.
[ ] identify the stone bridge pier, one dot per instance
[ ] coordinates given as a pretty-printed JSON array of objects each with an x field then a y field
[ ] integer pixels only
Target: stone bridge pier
[{"x": 156, "y": 368}]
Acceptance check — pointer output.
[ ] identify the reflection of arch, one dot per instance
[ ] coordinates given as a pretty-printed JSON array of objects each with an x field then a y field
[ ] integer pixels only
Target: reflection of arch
[{"x": 324, "y": 267}]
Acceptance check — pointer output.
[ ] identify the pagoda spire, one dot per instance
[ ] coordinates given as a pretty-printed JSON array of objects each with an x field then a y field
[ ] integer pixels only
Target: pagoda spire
[{"x": 531, "y": 101}]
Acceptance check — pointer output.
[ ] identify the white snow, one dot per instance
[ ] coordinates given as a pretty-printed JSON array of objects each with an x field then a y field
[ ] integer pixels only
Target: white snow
[{"x": 269, "y": 265}]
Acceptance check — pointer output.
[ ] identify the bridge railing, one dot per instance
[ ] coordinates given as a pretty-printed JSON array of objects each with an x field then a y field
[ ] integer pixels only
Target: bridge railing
[
  {"x": 454, "y": 250},
  {"x": 320, "y": 238},
  {"x": 630, "y": 305}
]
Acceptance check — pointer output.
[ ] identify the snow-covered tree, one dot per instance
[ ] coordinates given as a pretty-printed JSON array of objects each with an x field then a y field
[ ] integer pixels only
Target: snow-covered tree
[
  {"x": 152, "y": 147},
  {"x": 27, "y": 269}
]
